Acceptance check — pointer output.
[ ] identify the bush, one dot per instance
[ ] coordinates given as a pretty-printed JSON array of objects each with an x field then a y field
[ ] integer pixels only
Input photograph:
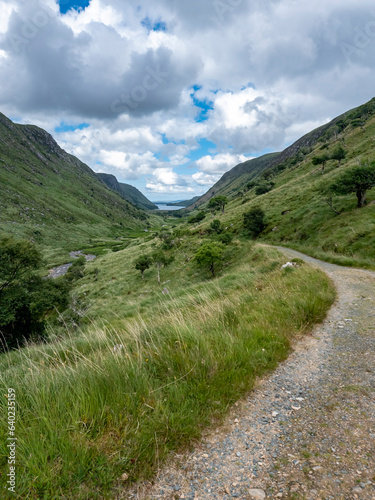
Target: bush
[
  {"x": 263, "y": 188},
  {"x": 254, "y": 221},
  {"x": 216, "y": 226},
  {"x": 226, "y": 238}
]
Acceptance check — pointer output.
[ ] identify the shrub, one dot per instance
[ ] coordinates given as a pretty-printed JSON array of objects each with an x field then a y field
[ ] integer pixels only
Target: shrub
[{"x": 254, "y": 221}]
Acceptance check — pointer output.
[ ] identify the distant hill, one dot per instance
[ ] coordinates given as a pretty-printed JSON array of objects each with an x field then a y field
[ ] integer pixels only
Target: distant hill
[
  {"x": 184, "y": 203},
  {"x": 51, "y": 196},
  {"x": 235, "y": 180},
  {"x": 128, "y": 192}
]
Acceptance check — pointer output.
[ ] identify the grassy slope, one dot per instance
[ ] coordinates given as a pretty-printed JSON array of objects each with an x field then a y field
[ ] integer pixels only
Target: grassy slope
[
  {"x": 52, "y": 197},
  {"x": 129, "y": 193},
  {"x": 88, "y": 413},
  {"x": 310, "y": 225}
]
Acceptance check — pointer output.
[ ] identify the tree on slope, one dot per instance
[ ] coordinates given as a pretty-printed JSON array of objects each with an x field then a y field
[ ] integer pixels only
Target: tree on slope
[
  {"x": 209, "y": 256},
  {"x": 160, "y": 258},
  {"x": 143, "y": 263},
  {"x": 254, "y": 221},
  {"x": 338, "y": 154},
  {"x": 217, "y": 203},
  {"x": 357, "y": 180}
]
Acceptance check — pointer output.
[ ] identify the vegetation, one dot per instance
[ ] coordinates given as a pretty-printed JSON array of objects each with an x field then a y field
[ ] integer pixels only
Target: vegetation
[
  {"x": 254, "y": 221},
  {"x": 107, "y": 401},
  {"x": 339, "y": 154},
  {"x": 25, "y": 299},
  {"x": 217, "y": 203},
  {"x": 196, "y": 219},
  {"x": 143, "y": 263},
  {"x": 356, "y": 180},
  {"x": 210, "y": 255}
]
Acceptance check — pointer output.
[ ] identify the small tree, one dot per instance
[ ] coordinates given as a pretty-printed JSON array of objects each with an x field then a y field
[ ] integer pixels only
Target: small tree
[
  {"x": 209, "y": 256},
  {"x": 357, "y": 180},
  {"x": 321, "y": 160},
  {"x": 216, "y": 226},
  {"x": 217, "y": 203},
  {"x": 254, "y": 221},
  {"x": 161, "y": 259},
  {"x": 338, "y": 154},
  {"x": 142, "y": 263}
]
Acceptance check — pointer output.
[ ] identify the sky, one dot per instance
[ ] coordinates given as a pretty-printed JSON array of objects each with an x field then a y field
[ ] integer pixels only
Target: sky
[{"x": 169, "y": 95}]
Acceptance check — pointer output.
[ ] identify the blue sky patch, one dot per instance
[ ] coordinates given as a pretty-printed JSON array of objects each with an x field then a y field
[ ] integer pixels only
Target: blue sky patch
[
  {"x": 206, "y": 148},
  {"x": 204, "y": 106},
  {"x": 154, "y": 25},
  {"x": 77, "y": 5},
  {"x": 64, "y": 127}
]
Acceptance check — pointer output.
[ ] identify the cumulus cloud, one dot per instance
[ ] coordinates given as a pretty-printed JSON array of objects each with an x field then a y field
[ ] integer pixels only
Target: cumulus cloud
[{"x": 263, "y": 71}]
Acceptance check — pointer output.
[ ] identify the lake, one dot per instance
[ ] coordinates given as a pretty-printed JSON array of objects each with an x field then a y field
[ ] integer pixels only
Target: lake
[{"x": 167, "y": 207}]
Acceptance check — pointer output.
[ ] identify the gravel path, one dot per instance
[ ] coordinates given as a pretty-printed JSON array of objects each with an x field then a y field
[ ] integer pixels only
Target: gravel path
[{"x": 308, "y": 430}]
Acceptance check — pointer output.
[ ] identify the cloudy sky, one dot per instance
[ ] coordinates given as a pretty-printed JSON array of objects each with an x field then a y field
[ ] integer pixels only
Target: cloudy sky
[{"x": 170, "y": 94}]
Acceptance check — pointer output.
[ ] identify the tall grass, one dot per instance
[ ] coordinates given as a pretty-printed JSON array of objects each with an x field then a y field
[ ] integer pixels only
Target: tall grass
[{"x": 107, "y": 401}]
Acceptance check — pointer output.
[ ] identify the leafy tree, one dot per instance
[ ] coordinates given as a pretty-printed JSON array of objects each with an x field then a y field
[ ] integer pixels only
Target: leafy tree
[
  {"x": 25, "y": 298},
  {"x": 254, "y": 221},
  {"x": 338, "y": 154},
  {"x": 161, "y": 259},
  {"x": 321, "y": 160},
  {"x": 209, "y": 256},
  {"x": 217, "y": 203},
  {"x": 142, "y": 263},
  {"x": 357, "y": 180},
  {"x": 17, "y": 260},
  {"x": 216, "y": 226}
]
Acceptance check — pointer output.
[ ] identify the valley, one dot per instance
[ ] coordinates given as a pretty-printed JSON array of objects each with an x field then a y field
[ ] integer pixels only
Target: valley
[{"x": 178, "y": 316}]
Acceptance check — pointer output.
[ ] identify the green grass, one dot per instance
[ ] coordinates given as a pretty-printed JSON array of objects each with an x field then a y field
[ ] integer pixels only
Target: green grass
[{"x": 87, "y": 413}]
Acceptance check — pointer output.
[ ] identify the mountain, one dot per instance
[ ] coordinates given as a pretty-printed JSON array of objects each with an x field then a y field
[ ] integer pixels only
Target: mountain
[
  {"x": 128, "y": 192},
  {"x": 184, "y": 203},
  {"x": 51, "y": 196},
  {"x": 234, "y": 181}
]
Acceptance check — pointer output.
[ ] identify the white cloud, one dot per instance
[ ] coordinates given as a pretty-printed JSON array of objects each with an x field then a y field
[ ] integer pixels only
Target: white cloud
[
  {"x": 272, "y": 69},
  {"x": 219, "y": 164}
]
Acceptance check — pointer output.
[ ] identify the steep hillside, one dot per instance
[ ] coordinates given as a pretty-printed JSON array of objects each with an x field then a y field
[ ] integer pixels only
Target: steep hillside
[
  {"x": 51, "y": 196},
  {"x": 128, "y": 192},
  {"x": 298, "y": 210},
  {"x": 236, "y": 179}
]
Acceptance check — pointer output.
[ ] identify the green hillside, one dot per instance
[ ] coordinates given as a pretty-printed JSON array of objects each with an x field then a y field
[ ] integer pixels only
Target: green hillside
[
  {"x": 235, "y": 180},
  {"x": 128, "y": 192},
  {"x": 296, "y": 207},
  {"x": 52, "y": 197}
]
